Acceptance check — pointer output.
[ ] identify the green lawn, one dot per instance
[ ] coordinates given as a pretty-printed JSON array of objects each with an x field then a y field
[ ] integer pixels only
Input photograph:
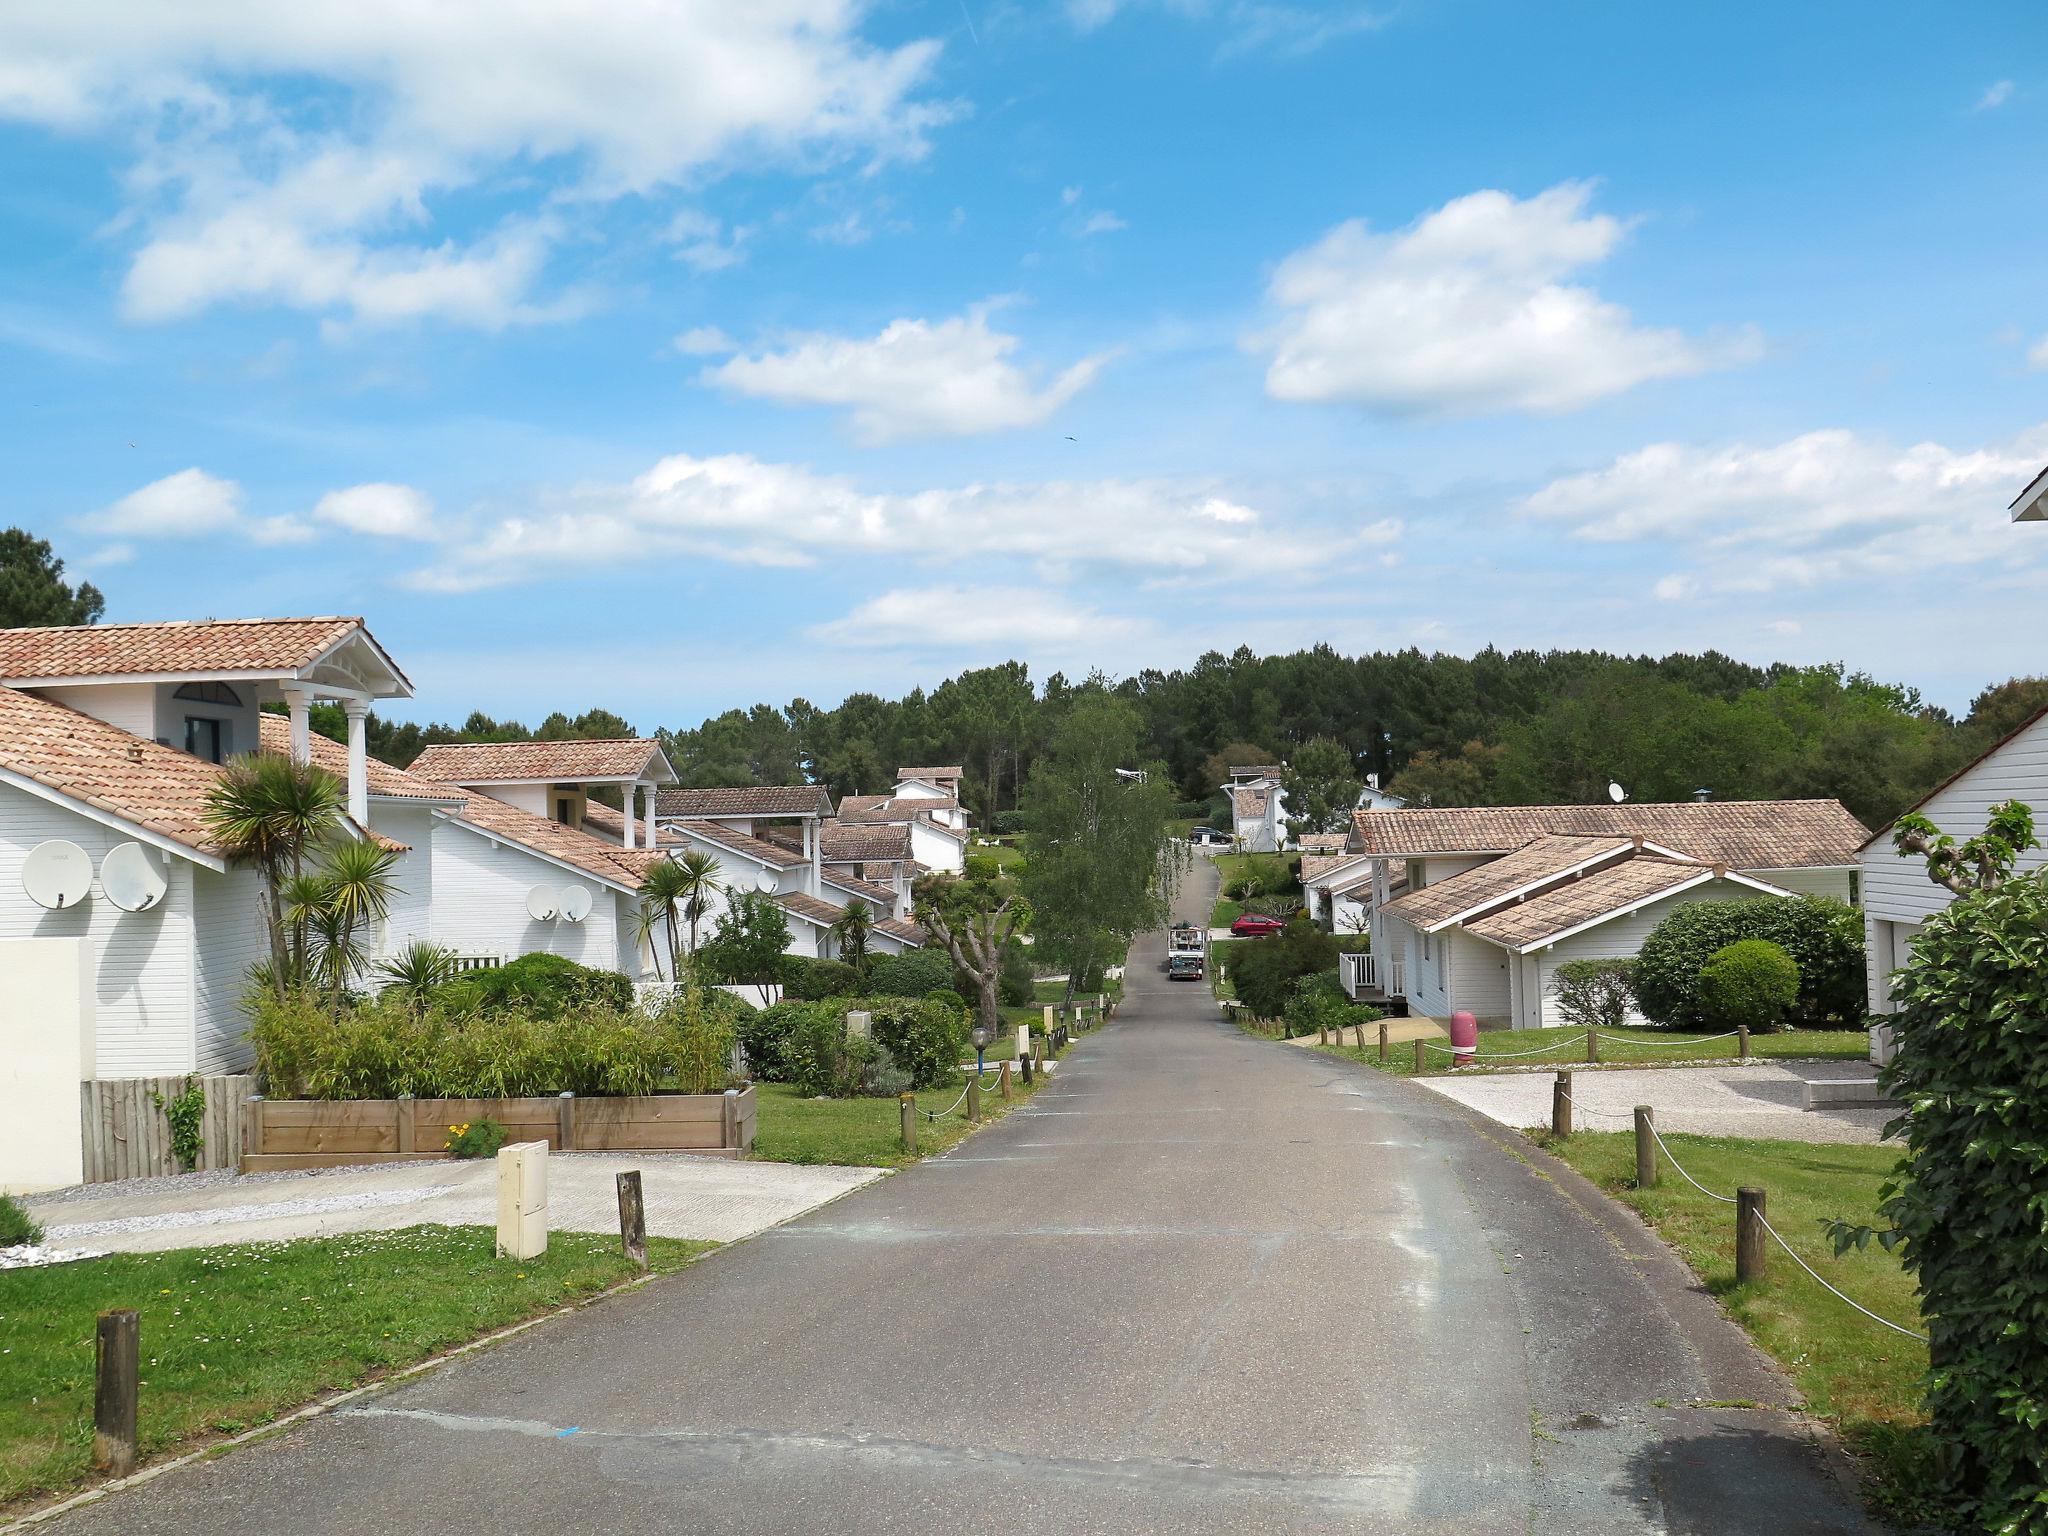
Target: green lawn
[
  {"x": 1645, "y": 1047},
  {"x": 1008, "y": 856},
  {"x": 865, "y": 1133},
  {"x": 233, "y": 1337},
  {"x": 1850, "y": 1370},
  {"x": 1271, "y": 867}
]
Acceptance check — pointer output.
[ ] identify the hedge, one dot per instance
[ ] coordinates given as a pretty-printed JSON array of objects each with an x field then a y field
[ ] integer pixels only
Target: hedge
[
  {"x": 1823, "y": 937},
  {"x": 804, "y": 1043},
  {"x": 1752, "y": 984}
]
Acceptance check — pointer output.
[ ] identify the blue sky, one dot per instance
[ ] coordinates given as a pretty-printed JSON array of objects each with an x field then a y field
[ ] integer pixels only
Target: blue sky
[{"x": 690, "y": 354}]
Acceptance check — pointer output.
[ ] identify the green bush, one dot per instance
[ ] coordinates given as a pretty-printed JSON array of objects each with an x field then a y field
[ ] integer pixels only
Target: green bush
[
  {"x": 1265, "y": 970},
  {"x": 1751, "y": 984},
  {"x": 1823, "y": 937},
  {"x": 926, "y": 1039},
  {"x": 981, "y": 866},
  {"x": 386, "y": 1049},
  {"x": 810, "y": 981},
  {"x": 1009, "y": 823},
  {"x": 1014, "y": 986},
  {"x": 1595, "y": 994},
  {"x": 765, "y": 1036},
  {"x": 914, "y": 973},
  {"x": 16, "y": 1225},
  {"x": 825, "y": 1060},
  {"x": 1968, "y": 1200},
  {"x": 538, "y": 985},
  {"x": 476, "y": 1138}
]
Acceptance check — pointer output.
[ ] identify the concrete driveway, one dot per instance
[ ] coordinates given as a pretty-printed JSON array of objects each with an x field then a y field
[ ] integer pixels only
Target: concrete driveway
[
  {"x": 1764, "y": 1099},
  {"x": 700, "y": 1197},
  {"x": 1202, "y": 1283}
]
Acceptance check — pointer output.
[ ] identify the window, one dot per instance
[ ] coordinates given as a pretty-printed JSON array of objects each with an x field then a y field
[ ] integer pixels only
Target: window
[
  {"x": 204, "y": 738},
  {"x": 209, "y": 693}
]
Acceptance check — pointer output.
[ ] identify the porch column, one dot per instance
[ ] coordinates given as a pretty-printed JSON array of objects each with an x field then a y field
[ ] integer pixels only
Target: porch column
[
  {"x": 813, "y": 845},
  {"x": 647, "y": 813},
  {"x": 358, "y": 760},
  {"x": 626, "y": 806},
  {"x": 298, "y": 701}
]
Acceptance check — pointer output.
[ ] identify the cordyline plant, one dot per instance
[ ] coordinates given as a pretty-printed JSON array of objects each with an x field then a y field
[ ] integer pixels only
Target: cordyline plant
[
  {"x": 974, "y": 920},
  {"x": 1968, "y": 1205}
]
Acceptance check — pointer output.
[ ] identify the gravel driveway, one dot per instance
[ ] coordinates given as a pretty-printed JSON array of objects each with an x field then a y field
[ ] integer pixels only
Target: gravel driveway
[{"x": 1762, "y": 1099}]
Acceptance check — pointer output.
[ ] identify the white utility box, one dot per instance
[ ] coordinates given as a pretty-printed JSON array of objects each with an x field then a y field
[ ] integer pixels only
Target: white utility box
[{"x": 523, "y": 1200}]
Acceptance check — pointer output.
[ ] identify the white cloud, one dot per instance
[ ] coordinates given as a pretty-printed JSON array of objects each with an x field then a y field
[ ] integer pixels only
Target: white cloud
[
  {"x": 280, "y": 530},
  {"x": 950, "y": 617},
  {"x": 1673, "y": 589},
  {"x": 1246, "y": 25},
  {"x": 1826, "y": 506},
  {"x": 178, "y": 506},
  {"x": 379, "y": 509},
  {"x": 415, "y": 99},
  {"x": 1103, "y": 223},
  {"x": 1785, "y": 628},
  {"x": 1996, "y": 95},
  {"x": 917, "y": 378},
  {"x": 1466, "y": 311},
  {"x": 2037, "y": 355},
  {"x": 704, "y": 341},
  {"x": 739, "y": 510},
  {"x": 705, "y": 243},
  {"x": 110, "y": 555}
]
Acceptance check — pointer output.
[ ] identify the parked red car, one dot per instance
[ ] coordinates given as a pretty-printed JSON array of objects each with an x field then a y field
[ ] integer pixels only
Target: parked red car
[{"x": 1256, "y": 925}]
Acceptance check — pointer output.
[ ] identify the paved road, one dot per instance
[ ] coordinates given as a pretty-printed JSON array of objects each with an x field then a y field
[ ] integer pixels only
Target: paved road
[{"x": 1203, "y": 1284}]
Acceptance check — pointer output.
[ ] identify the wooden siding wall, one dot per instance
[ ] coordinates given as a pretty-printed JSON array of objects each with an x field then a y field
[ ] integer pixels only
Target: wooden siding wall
[{"x": 126, "y": 1136}]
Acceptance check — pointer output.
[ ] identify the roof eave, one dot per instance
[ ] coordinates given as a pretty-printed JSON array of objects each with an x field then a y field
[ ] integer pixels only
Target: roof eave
[{"x": 109, "y": 817}]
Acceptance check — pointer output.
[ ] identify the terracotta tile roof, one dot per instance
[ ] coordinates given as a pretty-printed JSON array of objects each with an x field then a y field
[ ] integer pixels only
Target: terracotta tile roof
[
  {"x": 752, "y": 800},
  {"x": 928, "y": 774},
  {"x": 1579, "y": 902},
  {"x": 1743, "y": 834},
  {"x": 842, "y": 844},
  {"x": 1248, "y": 803},
  {"x": 823, "y": 913},
  {"x": 903, "y": 929},
  {"x": 103, "y": 766},
  {"x": 1258, "y": 770},
  {"x": 774, "y": 855},
  {"x": 872, "y": 889},
  {"x": 533, "y": 762},
  {"x": 1544, "y": 861},
  {"x": 211, "y": 645},
  {"x": 385, "y": 780},
  {"x": 1323, "y": 842},
  {"x": 1315, "y": 865},
  {"x": 887, "y": 808}
]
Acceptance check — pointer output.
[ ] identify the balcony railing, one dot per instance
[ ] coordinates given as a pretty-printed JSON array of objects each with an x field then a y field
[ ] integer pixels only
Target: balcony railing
[{"x": 1365, "y": 974}]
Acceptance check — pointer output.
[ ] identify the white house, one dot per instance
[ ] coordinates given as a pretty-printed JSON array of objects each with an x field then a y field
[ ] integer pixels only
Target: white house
[
  {"x": 1897, "y": 895},
  {"x": 1498, "y": 897},
  {"x": 1258, "y": 806}
]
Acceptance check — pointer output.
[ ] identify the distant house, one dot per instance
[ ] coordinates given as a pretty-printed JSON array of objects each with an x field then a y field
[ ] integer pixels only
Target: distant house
[
  {"x": 1497, "y": 898},
  {"x": 1258, "y": 806},
  {"x": 1897, "y": 895}
]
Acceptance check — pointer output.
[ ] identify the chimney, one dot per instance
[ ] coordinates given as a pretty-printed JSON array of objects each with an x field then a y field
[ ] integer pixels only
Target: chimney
[{"x": 1702, "y": 796}]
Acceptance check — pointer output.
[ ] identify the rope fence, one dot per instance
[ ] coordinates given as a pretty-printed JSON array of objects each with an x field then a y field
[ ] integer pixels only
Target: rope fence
[
  {"x": 1590, "y": 1039},
  {"x": 1751, "y": 1224}
]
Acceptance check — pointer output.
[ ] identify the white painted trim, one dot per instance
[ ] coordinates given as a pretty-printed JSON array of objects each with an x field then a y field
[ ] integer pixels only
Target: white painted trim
[
  {"x": 361, "y": 632},
  {"x": 1706, "y": 873},
  {"x": 106, "y": 818},
  {"x": 503, "y": 841},
  {"x": 1625, "y": 849}
]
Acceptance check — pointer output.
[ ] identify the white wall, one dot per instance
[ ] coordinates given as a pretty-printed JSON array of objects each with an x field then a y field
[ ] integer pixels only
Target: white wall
[
  {"x": 411, "y": 916},
  {"x": 142, "y": 969},
  {"x": 228, "y": 937},
  {"x": 46, "y": 1051},
  {"x": 1479, "y": 976},
  {"x": 131, "y": 706},
  {"x": 1838, "y": 883},
  {"x": 1887, "y": 947},
  {"x": 936, "y": 850},
  {"x": 1898, "y": 889},
  {"x": 479, "y": 906}
]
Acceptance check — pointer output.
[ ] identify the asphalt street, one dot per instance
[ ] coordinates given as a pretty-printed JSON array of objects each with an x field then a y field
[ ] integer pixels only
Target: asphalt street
[{"x": 1203, "y": 1283}]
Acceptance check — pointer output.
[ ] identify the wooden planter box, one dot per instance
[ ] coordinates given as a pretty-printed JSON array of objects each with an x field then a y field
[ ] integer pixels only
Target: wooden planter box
[{"x": 333, "y": 1133}]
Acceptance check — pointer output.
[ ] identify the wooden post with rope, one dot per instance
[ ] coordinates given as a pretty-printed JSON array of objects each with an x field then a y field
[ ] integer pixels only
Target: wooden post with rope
[
  {"x": 1646, "y": 1148},
  {"x": 1561, "y": 1105}
]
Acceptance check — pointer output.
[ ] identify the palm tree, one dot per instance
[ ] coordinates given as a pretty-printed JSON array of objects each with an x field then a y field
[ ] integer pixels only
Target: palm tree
[
  {"x": 358, "y": 886},
  {"x": 852, "y": 929},
  {"x": 268, "y": 813},
  {"x": 696, "y": 884},
  {"x": 660, "y": 889},
  {"x": 417, "y": 971}
]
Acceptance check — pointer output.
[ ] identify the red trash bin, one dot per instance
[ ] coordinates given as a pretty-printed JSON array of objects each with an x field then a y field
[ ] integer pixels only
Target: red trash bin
[{"x": 1464, "y": 1037}]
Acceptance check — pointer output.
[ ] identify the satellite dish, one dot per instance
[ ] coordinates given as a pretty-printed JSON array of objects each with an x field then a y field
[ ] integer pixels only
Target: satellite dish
[
  {"x": 1615, "y": 792},
  {"x": 542, "y": 903},
  {"x": 56, "y": 874},
  {"x": 768, "y": 881},
  {"x": 575, "y": 903},
  {"x": 131, "y": 879}
]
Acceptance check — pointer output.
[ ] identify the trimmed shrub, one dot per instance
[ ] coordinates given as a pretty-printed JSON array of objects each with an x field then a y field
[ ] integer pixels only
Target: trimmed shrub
[
  {"x": 1823, "y": 937},
  {"x": 1014, "y": 986},
  {"x": 1752, "y": 984},
  {"x": 824, "y": 1060},
  {"x": 16, "y": 1225},
  {"x": 981, "y": 866},
  {"x": 1971, "y": 1028},
  {"x": 926, "y": 1039},
  {"x": 810, "y": 981},
  {"x": 914, "y": 973},
  {"x": 538, "y": 985},
  {"x": 1595, "y": 994},
  {"x": 1008, "y": 823}
]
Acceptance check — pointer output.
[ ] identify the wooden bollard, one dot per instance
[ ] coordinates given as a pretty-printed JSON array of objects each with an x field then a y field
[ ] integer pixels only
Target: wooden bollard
[
  {"x": 1421, "y": 1058},
  {"x": 1383, "y": 1041},
  {"x": 1024, "y": 1069},
  {"x": 1646, "y": 1148},
  {"x": 1561, "y": 1105},
  {"x": 1322, "y": 1034},
  {"x": 632, "y": 1217},
  {"x": 1742, "y": 1042},
  {"x": 907, "y": 1102},
  {"x": 1749, "y": 1235},
  {"x": 1593, "y": 1046},
  {"x": 117, "y": 1362},
  {"x": 974, "y": 1098},
  {"x": 1003, "y": 1086}
]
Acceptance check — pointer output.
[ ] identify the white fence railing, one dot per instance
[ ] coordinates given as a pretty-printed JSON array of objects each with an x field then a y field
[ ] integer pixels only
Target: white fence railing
[{"x": 1365, "y": 973}]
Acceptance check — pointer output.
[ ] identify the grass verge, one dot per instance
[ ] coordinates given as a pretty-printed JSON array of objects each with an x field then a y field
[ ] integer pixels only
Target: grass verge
[
  {"x": 1862, "y": 1377},
  {"x": 865, "y": 1133},
  {"x": 233, "y": 1337},
  {"x": 1644, "y": 1048}
]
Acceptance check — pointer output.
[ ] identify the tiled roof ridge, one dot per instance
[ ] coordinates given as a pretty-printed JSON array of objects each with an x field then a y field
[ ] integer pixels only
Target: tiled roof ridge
[{"x": 101, "y": 629}]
